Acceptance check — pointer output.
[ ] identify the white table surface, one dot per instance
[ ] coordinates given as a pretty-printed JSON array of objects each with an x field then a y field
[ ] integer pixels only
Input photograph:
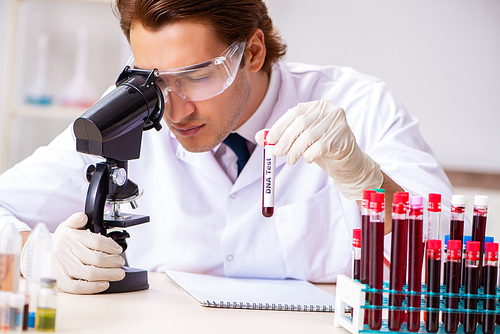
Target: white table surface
[{"x": 163, "y": 308}]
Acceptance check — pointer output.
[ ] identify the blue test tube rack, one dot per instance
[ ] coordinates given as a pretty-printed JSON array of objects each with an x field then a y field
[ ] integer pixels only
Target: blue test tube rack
[{"x": 351, "y": 293}]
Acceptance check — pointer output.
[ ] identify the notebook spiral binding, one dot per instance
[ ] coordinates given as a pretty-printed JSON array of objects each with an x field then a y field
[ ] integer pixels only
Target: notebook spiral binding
[{"x": 272, "y": 307}]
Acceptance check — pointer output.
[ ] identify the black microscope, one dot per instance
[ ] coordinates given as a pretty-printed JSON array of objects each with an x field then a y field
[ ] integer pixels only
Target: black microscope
[{"x": 112, "y": 128}]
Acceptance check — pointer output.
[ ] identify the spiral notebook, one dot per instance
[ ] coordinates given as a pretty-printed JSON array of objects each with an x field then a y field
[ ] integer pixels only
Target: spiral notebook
[{"x": 254, "y": 294}]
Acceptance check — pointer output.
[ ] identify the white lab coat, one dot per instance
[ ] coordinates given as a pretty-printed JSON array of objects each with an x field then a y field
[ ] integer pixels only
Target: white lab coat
[{"x": 202, "y": 222}]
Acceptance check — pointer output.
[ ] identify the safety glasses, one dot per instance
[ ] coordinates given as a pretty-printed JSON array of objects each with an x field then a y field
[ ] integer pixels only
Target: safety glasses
[{"x": 205, "y": 80}]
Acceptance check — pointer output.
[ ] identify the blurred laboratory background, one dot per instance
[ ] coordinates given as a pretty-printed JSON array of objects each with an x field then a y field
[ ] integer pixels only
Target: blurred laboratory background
[{"x": 440, "y": 57}]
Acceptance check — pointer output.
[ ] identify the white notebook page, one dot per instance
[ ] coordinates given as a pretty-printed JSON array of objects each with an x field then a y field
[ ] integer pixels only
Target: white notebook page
[{"x": 253, "y": 293}]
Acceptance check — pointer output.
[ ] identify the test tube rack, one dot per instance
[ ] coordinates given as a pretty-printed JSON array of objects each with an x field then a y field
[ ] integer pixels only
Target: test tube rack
[{"x": 351, "y": 293}]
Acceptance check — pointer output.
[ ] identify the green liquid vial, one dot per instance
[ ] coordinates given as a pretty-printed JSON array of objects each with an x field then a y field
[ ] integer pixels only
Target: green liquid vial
[{"x": 45, "y": 320}]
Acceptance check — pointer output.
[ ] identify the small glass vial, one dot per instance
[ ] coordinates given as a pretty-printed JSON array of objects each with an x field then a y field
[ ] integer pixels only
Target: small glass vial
[
  {"x": 45, "y": 320},
  {"x": 16, "y": 310},
  {"x": 4, "y": 311}
]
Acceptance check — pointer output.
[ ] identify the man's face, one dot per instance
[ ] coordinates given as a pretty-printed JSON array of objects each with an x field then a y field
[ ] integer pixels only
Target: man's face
[{"x": 202, "y": 125}]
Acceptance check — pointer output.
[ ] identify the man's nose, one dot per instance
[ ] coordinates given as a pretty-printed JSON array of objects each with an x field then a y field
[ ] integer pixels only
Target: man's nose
[{"x": 178, "y": 108}]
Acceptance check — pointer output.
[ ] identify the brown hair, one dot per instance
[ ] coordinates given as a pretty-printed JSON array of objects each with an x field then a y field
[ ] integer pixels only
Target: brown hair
[{"x": 232, "y": 20}]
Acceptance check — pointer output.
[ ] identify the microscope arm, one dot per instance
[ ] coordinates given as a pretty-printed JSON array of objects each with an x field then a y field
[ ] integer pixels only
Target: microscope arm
[{"x": 96, "y": 198}]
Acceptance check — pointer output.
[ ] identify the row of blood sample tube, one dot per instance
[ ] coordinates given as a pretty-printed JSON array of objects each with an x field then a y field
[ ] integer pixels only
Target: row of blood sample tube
[{"x": 408, "y": 243}]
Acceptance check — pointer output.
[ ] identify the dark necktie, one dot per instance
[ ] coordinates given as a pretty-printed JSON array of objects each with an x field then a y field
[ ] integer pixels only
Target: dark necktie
[{"x": 239, "y": 146}]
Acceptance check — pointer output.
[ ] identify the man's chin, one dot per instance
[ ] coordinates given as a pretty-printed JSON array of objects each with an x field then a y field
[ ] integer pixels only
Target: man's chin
[{"x": 196, "y": 146}]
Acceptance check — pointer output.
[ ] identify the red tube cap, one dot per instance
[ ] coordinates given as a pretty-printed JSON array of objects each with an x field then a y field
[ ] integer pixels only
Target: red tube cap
[
  {"x": 367, "y": 194},
  {"x": 491, "y": 247},
  {"x": 491, "y": 251},
  {"x": 399, "y": 198},
  {"x": 454, "y": 245},
  {"x": 434, "y": 203},
  {"x": 434, "y": 244},
  {"x": 405, "y": 195},
  {"x": 265, "y": 137},
  {"x": 356, "y": 238},
  {"x": 377, "y": 201},
  {"x": 472, "y": 246}
]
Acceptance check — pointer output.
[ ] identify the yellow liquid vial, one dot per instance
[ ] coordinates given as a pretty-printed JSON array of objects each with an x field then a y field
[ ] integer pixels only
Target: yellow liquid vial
[{"x": 45, "y": 320}]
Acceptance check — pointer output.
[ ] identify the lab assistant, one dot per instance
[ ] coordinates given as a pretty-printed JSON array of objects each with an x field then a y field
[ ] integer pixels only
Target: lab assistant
[{"x": 203, "y": 222}]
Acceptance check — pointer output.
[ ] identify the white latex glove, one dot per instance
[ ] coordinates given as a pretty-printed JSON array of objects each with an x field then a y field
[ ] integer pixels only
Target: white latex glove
[
  {"x": 84, "y": 262},
  {"x": 318, "y": 131}
]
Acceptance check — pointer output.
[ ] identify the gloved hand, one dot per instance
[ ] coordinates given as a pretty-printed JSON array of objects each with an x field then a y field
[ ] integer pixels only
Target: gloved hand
[
  {"x": 318, "y": 131},
  {"x": 83, "y": 262}
]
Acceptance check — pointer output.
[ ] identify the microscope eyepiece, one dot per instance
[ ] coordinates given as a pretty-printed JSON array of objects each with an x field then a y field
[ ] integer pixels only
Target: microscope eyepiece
[{"x": 113, "y": 126}]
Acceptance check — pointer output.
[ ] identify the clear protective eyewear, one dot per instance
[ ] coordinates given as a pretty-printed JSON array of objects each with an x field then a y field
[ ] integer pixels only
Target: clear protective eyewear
[{"x": 204, "y": 80}]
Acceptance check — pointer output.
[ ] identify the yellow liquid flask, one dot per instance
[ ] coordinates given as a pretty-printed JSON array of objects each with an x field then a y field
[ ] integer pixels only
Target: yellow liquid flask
[{"x": 45, "y": 320}]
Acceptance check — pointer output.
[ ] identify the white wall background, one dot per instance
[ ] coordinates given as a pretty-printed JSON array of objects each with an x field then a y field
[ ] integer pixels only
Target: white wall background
[
  {"x": 440, "y": 57},
  {"x": 60, "y": 20}
]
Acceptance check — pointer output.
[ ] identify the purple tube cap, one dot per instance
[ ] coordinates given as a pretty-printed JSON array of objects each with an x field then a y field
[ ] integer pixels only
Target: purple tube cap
[{"x": 416, "y": 201}]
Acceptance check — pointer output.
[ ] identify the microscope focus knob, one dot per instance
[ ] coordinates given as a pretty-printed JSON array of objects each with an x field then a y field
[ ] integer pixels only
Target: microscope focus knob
[
  {"x": 88, "y": 172},
  {"x": 119, "y": 176}
]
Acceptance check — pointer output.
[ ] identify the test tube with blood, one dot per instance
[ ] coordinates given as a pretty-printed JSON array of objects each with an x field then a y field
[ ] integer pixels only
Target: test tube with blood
[
  {"x": 268, "y": 168},
  {"x": 471, "y": 285},
  {"x": 490, "y": 271}
]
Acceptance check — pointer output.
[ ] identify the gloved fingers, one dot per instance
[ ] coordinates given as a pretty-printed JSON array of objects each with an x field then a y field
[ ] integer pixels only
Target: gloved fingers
[
  {"x": 315, "y": 151},
  {"x": 77, "y": 220},
  {"x": 74, "y": 268},
  {"x": 259, "y": 137},
  {"x": 84, "y": 287},
  {"x": 96, "y": 258},
  {"x": 66, "y": 255},
  {"x": 73, "y": 226},
  {"x": 284, "y": 122},
  {"x": 95, "y": 241},
  {"x": 68, "y": 284},
  {"x": 310, "y": 119},
  {"x": 305, "y": 139},
  {"x": 288, "y": 127},
  {"x": 95, "y": 274}
]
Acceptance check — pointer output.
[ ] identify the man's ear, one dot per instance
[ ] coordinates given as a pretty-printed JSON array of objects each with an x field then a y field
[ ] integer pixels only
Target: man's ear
[{"x": 255, "y": 53}]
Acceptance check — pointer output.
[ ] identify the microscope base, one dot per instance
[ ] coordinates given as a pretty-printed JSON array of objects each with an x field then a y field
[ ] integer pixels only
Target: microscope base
[{"x": 135, "y": 280}]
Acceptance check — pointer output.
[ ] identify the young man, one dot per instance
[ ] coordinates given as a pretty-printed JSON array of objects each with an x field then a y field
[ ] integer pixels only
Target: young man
[{"x": 205, "y": 213}]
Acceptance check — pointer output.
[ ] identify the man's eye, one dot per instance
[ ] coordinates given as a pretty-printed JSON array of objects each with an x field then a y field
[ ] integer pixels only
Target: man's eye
[{"x": 197, "y": 79}]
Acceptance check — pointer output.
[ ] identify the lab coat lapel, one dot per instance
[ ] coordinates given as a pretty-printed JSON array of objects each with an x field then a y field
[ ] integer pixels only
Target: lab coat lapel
[
  {"x": 287, "y": 98},
  {"x": 206, "y": 164}
]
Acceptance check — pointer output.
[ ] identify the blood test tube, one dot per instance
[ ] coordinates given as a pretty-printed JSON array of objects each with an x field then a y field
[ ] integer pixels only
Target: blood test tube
[
  {"x": 467, "y": 238},
  {"x": 406, "y": 197},
  {"x": 479, "y": 227},
  {"x": 415, "y": 253},
  {"x": 365, "y": 236},
  {"x": 490, "y": 271},
  {"x": 471, "y": 285},
  {"x": 398, "y": 259},
  {"x": 453, "y": 263},
  {"x": 269, "y": 165},
  {"x": 356, "y": 253},
  {"x": 457, "y": 217},
  {"x": 377, "y": 217},
  {"x": 433, "y": 222},
  {"x": 365, "y": 241},
  {"x": 434, "y": 283},
  {"x": 434, "y": 217},
  {"x": 445, "y": 267}
]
